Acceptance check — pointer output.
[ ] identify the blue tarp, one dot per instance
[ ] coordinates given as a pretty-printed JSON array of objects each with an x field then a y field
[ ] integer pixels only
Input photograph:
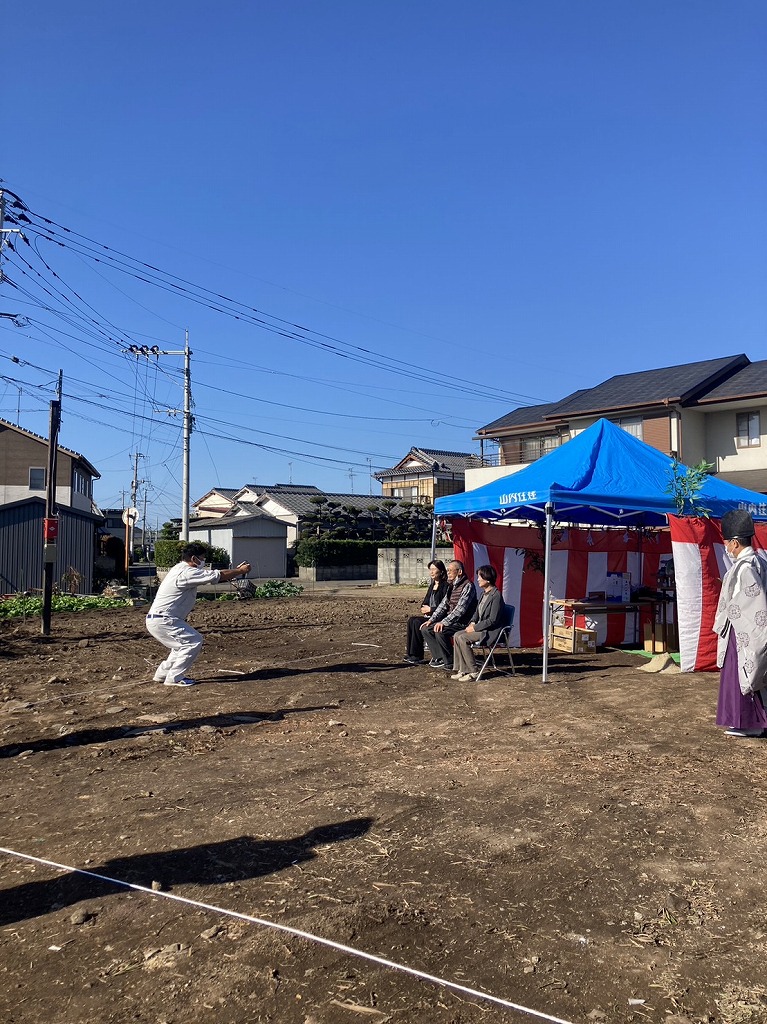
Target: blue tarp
[{"x": 603, "y": 476}]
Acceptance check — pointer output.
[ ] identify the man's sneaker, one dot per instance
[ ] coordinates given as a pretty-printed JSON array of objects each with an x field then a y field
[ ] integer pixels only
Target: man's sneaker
[
  {"x": 746, "y": 734},
  {"x": 185, "y": 681},
  {"x": 410, "y": 659},
  {"x": 436, "y": 663}
]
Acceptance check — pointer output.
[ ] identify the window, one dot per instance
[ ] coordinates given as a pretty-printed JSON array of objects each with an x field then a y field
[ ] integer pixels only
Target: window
[
  {"x": 748, "y": 431},
  {"x": 632, "y": 425},
  {"x": 550, "y": 443},
  {"x": 406, "y": 493},
  {"x": 81, "y": 483},
  {"x": 36, "y": 479},
  {"x": 534, "y": 447}
]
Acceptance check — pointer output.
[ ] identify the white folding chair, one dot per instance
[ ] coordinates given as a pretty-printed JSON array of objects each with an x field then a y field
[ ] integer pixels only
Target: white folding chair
[{"x": 502, "y": 645}]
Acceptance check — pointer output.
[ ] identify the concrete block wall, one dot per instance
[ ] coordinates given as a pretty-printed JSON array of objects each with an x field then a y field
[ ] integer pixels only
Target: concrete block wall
[{"x": 408, "y": 565}]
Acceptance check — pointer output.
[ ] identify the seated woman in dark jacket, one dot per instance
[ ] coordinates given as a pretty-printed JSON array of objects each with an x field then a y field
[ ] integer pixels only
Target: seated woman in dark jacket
[
  {"x": 488, "y": 620},
  {"x": 435, "y": 593}
]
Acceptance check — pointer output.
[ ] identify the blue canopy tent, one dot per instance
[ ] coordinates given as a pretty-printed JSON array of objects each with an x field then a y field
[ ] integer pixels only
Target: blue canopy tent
[{"x": 602, "y": 477}]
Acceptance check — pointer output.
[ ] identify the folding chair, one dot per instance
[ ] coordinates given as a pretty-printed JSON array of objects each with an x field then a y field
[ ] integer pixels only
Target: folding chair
[{"x": 502, "y": 645}]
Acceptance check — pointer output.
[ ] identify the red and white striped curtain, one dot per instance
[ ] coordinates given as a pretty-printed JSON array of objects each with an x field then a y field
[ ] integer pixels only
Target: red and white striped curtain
[
  {"x": 700, "y": 564},
  {"x": 580, "y": 561}
]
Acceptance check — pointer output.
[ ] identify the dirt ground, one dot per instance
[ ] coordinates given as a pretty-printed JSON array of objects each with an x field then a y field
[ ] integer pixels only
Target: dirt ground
[{"x": 592, "y": 849}]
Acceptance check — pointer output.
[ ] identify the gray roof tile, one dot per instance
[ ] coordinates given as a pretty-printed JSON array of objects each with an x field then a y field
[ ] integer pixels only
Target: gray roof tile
[
  {"x": 750, "y": 382},
  {"x": 300, "y": 504},
  {"x": 449, "y": 462},
  {"x": 681, "y": 383},
  {"x": 524, "y": 416}
]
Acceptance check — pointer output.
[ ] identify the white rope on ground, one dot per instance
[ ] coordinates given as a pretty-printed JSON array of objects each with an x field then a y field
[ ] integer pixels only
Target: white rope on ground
[{"x": 476, "y": 993}]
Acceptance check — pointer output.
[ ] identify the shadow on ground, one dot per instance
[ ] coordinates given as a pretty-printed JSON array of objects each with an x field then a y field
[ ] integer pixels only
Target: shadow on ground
[
  {"x": 87, "y": 736},
  {"x": 234, "y": 860}
]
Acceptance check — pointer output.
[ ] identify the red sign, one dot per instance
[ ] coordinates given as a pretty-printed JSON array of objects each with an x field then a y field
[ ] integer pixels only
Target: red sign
[{"x": 50, "y": 529}]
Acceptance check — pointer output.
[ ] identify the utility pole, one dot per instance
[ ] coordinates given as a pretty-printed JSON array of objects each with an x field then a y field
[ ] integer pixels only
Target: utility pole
[
  {"x": 131, "y": 525},
  {"x": 144, "y": 350},
  {"x": 187, "y": 437},
  {"x": 51, "y": 522},
  {"x": 144, "y": 531}
]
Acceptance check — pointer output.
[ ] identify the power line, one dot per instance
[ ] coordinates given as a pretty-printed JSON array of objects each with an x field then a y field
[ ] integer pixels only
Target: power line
[{"x": 149, "y": 274}]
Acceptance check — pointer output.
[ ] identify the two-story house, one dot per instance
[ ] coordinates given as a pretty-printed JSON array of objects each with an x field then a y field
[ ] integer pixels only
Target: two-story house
[
  {"x": 23, "y": 485},
  {"x": 219, "y": 501},
  {"x": 713, "y": 410},
  {"x": 425, "y": 474}
]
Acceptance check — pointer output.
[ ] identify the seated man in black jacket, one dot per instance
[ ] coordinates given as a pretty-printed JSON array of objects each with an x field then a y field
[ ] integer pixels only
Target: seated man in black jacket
[{"x": 454, "y": 612}]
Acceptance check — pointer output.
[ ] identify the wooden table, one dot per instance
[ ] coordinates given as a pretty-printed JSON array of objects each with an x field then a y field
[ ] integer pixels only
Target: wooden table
[{"x": 585, "y": 607}]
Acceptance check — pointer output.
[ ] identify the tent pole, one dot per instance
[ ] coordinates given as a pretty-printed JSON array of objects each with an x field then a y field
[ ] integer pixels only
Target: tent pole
[
  {"x": 433, "y": 539},
  {"x": 546, "y": 591}
]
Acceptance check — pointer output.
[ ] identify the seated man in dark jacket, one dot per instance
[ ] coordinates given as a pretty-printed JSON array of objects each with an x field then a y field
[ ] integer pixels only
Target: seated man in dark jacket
[{"x": 454, "y": 612}]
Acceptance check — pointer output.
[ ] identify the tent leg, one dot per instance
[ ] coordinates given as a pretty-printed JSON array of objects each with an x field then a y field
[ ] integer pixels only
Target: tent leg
[
  {"x": 433, "y": 539},
  {"x": 546, "y": 592}
]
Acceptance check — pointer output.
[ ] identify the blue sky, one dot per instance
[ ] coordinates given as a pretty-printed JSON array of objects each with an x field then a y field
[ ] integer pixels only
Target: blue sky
[{"x": 503, "y": 201}]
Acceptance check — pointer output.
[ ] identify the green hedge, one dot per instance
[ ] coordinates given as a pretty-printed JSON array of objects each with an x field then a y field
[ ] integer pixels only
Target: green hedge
[
  {"x": 168, "y": 552},
  {"x": 323, "y": 551}
]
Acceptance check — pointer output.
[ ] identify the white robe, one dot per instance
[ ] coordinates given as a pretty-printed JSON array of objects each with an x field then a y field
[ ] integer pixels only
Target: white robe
[{"x": 743, "y": 607}]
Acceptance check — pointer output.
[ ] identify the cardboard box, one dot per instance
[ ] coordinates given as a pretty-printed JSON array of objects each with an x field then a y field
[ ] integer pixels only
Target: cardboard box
[
  {"x": 573, "y": 641},
  {"x": 585, "y": 641},
  {"x": 618, "y": 586},
  {"x": 669, "y": 642}
]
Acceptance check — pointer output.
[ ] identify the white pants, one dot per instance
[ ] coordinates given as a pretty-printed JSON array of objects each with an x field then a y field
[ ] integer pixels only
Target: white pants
[{"x": 184, "y": 642}]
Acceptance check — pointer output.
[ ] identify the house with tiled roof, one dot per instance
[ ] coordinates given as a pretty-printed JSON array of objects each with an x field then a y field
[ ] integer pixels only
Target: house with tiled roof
[
  {"x": 218, "y": 501},
  {"x": 713, "y": 410},
  {"x": 302, "y": 509},
  {"x": 425, "y": 474},
  {"x": 296, "y": 508}
]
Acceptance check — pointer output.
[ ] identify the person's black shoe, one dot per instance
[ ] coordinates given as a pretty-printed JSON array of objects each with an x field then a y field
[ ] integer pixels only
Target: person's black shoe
[
  {"x": 411, "y": 659},
  {"x": 436, "y": 663}
]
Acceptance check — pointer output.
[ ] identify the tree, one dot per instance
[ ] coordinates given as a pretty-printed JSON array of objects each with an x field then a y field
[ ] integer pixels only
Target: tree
[
  {"x": 685, "y": 485},
  {"x": 171, "y": 530}
]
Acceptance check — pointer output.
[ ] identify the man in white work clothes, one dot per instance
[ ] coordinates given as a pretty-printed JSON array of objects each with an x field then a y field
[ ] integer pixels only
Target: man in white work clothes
[{"x": 166, "y": 619}]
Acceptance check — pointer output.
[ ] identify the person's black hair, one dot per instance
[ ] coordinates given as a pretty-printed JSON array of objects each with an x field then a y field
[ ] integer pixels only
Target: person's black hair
[
  {"x": 194, "y": 550},
  {"x": 439, "y": 565},
  {"x": 488, "y": 573}
]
